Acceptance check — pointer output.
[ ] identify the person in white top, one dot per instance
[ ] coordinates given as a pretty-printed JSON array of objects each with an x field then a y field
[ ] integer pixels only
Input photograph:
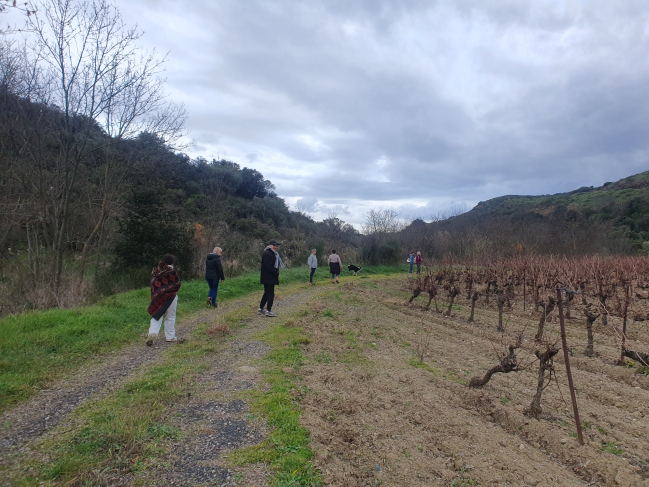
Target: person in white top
[
  {"x": 313, "y": 264},
  {"x": 335, "y": 266}
]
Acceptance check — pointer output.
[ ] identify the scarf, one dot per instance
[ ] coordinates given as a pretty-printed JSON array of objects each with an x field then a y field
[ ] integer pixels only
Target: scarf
[
  {"x": 278, "y": 259},
  {"x": 164, "y": 286}
]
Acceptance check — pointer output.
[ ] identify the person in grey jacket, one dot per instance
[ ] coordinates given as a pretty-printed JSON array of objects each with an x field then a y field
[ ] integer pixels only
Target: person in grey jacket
[
  {"x": 214, "y": 273},
  {"x": 313, "y": 264}
]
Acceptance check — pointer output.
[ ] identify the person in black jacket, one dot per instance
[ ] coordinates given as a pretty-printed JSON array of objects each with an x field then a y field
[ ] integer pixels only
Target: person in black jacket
[
  {"x": 214, "y": 273},
  {"x": 270, "y": 265}
]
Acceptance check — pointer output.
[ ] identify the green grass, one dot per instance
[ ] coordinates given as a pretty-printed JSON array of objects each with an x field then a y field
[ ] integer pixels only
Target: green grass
[
  {"x": 39, "y": 348},
  {"x": 612, "y": 448},
  {"x": 286, "y": 449}
]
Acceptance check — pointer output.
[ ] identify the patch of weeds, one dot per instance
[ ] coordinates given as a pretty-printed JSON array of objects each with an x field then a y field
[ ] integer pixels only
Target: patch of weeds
[
  {"x": 587, "y": 425},
  {"x": 328, "y": 314},
  {"x": 163, "y": 431},
  {"x": 414, "y": 361},
  {"x": 322, "y": 358},
  {"x": 642, "y": 369},
  {"x": 611, "y": 447},
  {"x": 235, "y": 317},
  {"x": 505, "y": 400},
  {"x": 601, "y": 430},
  {"x": 218, "y": 328},
  {"x": 350, "y": 339},
  {"x": 464, "y": 482},
  {"x": 451, "y": 376},
  {"x": 353, "y": 356},
  {"x": 286, "y": 449}
]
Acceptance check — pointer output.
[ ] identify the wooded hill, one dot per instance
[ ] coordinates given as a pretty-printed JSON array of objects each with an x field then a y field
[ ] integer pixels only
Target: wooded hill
[{"x": 610, "y": 219}]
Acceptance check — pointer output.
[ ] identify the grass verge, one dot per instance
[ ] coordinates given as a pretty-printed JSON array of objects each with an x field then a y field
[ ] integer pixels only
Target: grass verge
[
  {"x": 39, "y": 348},
  {"x": 286, "y": 449}
]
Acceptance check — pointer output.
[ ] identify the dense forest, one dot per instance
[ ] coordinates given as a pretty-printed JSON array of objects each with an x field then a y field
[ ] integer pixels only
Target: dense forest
[{"x": 95, "y": 183}]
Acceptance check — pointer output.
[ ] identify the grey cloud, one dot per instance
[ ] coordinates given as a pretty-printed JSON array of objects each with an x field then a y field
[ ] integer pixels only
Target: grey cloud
[{"x": 399, "y": 103}]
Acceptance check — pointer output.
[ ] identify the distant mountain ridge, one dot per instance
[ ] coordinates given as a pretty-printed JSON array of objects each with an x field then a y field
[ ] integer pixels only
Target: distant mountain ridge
[
  {"x": 622, "y": 191},
  {"x": 618, "y": 211}
]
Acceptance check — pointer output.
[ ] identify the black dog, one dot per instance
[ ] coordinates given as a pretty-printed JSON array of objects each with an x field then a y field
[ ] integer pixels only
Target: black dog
[{"x": 354, "y": 269}]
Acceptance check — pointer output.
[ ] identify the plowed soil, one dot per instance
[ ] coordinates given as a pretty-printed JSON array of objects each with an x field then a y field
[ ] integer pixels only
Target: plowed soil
[{"x": 378, "y": 417}]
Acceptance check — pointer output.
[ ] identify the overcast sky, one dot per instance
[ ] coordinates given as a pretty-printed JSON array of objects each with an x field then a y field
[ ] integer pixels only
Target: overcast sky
[{"x": 414, "y": 105}]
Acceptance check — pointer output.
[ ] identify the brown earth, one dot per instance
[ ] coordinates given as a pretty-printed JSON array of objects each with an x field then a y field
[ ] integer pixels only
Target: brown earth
[{"x": 379, "y": 417}]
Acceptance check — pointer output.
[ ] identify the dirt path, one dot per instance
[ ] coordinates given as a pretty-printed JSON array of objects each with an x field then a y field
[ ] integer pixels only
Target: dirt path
[
  {"x": 216, "y": 419},
  {"x": 48, "y": 408},
  {"x": 212, "y": 421}
]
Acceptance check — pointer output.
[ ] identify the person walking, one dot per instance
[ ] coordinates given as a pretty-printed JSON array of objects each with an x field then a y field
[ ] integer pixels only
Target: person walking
[
  {"x": 335, "y": 266},
  {"x": 313, "y": 265},
  {"x": 418, "y": 262},
  {"x": 214, "y": 274},
  {"x": 165, "y": 284},
  {"x": 411, "y": 260},
  {"x": 270, "y": 265}
]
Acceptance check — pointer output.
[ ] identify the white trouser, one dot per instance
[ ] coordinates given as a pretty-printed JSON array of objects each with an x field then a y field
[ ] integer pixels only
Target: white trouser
[{"x": 169, "y": 319}]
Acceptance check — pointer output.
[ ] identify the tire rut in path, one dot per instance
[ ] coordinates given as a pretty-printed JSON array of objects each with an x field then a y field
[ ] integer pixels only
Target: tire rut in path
[{"x": 49, "y": 407}]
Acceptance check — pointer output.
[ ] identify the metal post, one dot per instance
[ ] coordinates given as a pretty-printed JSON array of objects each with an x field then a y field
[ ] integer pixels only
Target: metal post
[{"x": 568, "y": 373}]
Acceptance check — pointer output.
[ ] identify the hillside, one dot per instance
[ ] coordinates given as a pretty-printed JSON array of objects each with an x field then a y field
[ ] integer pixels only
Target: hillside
[
  {"x": 618, "y": 209},
  {"x": 599, "y": 199}
]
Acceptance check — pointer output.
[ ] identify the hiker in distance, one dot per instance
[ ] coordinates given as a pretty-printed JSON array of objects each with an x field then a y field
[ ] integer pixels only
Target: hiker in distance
[
  {"x": 411, "y": 260},
  {"x": 271, "y": 263},
  {"x": 214, "y": 273},
  {"x": 313, "y": 265},
  {"x": 418, "y": 262},
  {"x": 165, "y": 283},
  {"x": 335, "y": 266}
]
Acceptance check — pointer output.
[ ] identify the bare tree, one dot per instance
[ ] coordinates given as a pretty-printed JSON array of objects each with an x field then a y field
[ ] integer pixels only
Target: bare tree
[
  {"x": 98, "y": 78},
  {"x": 381, "y": 221}
]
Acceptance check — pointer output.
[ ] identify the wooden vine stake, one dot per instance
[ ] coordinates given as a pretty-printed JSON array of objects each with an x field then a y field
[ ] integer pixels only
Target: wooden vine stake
[
  {"x": 624, "y": 313},
  {"x": 568, "y": 373}
]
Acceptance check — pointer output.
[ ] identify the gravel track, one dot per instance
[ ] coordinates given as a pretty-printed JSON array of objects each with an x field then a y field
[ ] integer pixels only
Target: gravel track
[{"x": 210, "y": 428}]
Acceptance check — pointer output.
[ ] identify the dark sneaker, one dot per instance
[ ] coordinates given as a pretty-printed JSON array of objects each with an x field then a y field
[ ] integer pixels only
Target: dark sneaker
[
  {"x": 261, "y": 312},
  {"x": 175, "y": 340},
  {"x": 209, "y": 301},
  {"x": 270, "y": 314},
  {"x": 151, "y": 339},
  {"x": 215, "y": 305}
]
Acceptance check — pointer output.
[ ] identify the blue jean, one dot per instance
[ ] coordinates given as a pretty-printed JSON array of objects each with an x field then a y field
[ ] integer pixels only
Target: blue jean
[
  {"x": 410, "y": 271},
  {"x": 312, "y": 272},
  {"x": 214, "y": 289}
]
